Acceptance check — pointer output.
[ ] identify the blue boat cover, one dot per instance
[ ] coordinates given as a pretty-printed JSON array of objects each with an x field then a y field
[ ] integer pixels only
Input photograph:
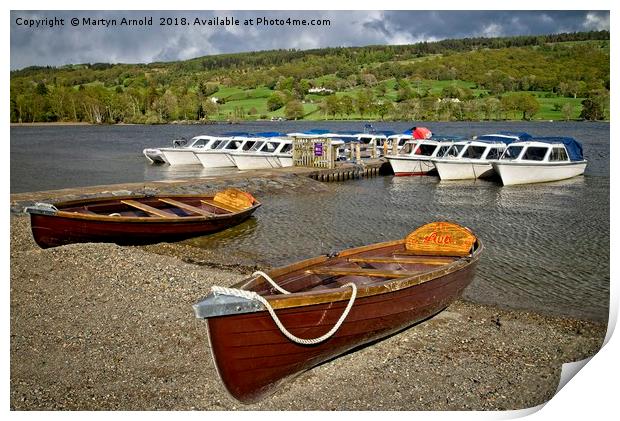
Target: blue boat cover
[
  {"x": 316, "y": 131},
  {"x": 268, "y": 134},
  {"x": 521, "y": 135},
  {"x": 573, "y": 147}
]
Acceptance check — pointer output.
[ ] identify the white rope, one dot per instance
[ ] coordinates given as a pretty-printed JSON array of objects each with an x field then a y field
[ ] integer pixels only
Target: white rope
[
  {"x": 251, "y": 295},
  {"x": 271, "y": 281}
]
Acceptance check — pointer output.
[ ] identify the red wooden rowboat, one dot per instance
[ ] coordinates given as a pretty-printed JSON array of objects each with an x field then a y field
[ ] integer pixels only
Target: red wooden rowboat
[
  {"x": 134, "y": 220},
  {"x": 274, "y": 326}
]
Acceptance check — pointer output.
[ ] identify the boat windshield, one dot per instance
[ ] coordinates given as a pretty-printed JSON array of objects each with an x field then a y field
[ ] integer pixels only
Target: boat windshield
[
  {"x": 512, "y": 152},
  {"x": 233, "y": 145},
  {"x": 474, "y": 152},
  {"x": 408, "y": 148},
  {"x": 558, "y": 154},
  {"x": 453, "y": 151},
  {"x": 256, "y": 146},
  {"x": 200, "y": 143},
  {"x": 495, "y": 152},
  {"x": 223, "y": 145},
  {"x": 535, "y": 153},
  {"x": 270, "y": 147},
  {"x": 442, "y": 150},
  {"x": 426, "y": 150},
  {"x": 287, "y": 148},
  {"x": 217, "y": 144},
  {"x": 249, "y": 145}
]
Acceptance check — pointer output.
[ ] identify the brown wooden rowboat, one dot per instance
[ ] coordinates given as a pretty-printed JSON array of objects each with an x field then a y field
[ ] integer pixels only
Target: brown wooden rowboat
[
  {"x": 350, "y": 299},
  {"x": 134, "y": 220}
]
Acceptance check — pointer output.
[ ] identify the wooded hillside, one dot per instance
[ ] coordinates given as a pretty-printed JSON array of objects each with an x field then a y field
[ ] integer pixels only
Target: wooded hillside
[{"x": 560, "y": 76}]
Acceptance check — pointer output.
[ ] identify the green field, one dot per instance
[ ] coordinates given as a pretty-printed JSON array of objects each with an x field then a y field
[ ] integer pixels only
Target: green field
[{"x": 419, "y": 81}]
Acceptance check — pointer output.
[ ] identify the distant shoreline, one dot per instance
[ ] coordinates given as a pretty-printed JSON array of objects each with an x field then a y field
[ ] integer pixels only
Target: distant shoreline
[
  {"x": 57, "y": 123},
  {"x": 190, "y": 123}
]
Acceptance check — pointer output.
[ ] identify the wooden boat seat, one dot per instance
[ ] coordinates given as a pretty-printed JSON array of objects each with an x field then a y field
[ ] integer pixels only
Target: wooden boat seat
[
  {"x": 148, "y": 209},
  {"x": 403, "y": 260},
  {"x": 219, "y": 205},
  {"x": 362, "y": 272},
  {"x": 187, "y": 207}
]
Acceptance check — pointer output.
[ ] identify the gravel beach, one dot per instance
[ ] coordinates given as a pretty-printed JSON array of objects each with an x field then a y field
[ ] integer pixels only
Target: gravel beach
[{"x": 103, "y": 327}]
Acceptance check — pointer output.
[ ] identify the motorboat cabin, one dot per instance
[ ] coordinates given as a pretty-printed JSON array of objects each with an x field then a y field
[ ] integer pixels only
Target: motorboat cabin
[
  {"x": 469, "y": 159},
  {"x": 219, "y": 156},
  {"x": 184, "y": 154},
  {"x": 273, "y": 152},
  {"x": 415, "y": 157},
  {"x": 540, "y": 160}
]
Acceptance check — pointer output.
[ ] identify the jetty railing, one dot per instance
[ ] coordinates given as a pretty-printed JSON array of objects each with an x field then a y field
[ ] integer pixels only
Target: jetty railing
[{"x": 313, "y": 152}]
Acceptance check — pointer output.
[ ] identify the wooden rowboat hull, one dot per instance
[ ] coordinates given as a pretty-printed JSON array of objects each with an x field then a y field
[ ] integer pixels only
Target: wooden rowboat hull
[
  {"x": 134, "y": 220},
  {"x": 51, "y": 231},
  {"x": 252, "y": 356},
  {"x": 396, "y": 288}
]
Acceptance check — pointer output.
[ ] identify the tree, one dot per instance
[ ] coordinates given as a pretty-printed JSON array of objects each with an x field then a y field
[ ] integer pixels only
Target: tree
[
  {"x": 294, "y": 110},
  {"x": 346, "y": 104},
  {"x": 522, "y": 102},
  {"x": 41, "y": 89},
  {"x": 384, "y": 107},
  {"x": 591, "y": 110},
  {"x": 568, "y": 110},
  {"x": 364, "y": 102},
  {"x": 275, "y": 101},
  {"x": 596, "y": 106},
  {"x": 332, "y": 105}
]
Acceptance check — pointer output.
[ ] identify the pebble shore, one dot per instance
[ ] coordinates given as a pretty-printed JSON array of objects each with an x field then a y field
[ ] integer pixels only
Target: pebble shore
[{"x": 104, "y": 327}]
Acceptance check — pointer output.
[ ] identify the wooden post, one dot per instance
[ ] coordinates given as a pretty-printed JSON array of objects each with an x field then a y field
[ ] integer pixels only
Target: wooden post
[
  {"x": 374, "y": 148},
  {"x": 385, "y": 147},
  {"x": 395, "y": 147},
  {"x": 358, "y": 152}
]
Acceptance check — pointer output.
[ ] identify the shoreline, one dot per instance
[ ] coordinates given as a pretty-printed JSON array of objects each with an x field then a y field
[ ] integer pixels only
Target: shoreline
[
  {"x": 104, "y": 327},
  {"x": 213, "y": 122}
]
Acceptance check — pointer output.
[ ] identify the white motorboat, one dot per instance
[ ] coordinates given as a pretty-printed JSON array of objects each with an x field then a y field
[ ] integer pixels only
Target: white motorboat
[
  {"x": 154, "y": 155},
  {"x": 273, "y": 152},
  {"x": 539, "y": 160},
  {"x": 219, "y": 157},
  {"x": 183, "y": 154},
  {"x": 399, "y": 139},
  {"x": 471, "y": 159},
  {"x": 415, "y": 157}
]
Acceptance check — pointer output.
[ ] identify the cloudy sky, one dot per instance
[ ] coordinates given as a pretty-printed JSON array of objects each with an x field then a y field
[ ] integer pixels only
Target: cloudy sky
[{"x": 52, "y": 43}]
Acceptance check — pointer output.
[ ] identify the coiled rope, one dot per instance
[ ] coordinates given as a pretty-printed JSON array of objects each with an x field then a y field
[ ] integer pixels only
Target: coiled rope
[{"x": 251, "y": 295}]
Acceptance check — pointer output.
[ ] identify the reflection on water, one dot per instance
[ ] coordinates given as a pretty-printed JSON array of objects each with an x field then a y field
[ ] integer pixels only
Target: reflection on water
[{"x": 176, "y": 172}]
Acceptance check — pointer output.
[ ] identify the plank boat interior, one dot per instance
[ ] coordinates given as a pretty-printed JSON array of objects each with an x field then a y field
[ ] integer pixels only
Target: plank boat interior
[
  {"x": 157, "y": 207},
  {"x": 366, "y": 268}
]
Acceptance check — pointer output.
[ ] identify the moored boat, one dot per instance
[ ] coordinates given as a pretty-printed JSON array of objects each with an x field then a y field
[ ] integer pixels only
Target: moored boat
[
  {"x": 275, "y": 325},
  {"x": 539, "y": 160},
  {"x": 468, "y": 159},
  {"x": 270, "y": 152},
  {"x": 415, "y": 157},
  {"x": 133, "y": 220},
  {"x": 183, "y": 154},
  {"x": 219, "y": 157},
  {"x": 154, "y": 156}
]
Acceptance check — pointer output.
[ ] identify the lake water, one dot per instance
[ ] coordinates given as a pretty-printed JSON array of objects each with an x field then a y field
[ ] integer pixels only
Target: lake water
[{"x": 547, "y": 245}]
